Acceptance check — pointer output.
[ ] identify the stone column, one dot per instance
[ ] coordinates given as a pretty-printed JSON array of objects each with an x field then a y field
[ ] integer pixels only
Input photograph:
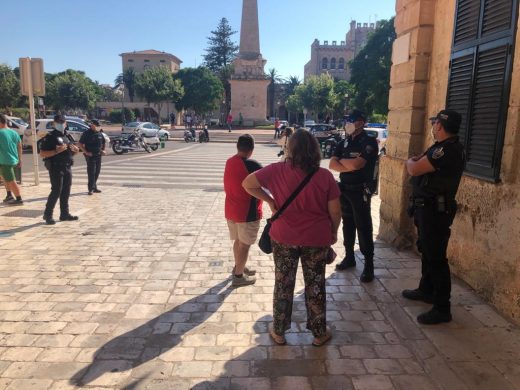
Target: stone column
[
  {"x": 249, "y": 31},
  {"x": 407, "y": 119}
]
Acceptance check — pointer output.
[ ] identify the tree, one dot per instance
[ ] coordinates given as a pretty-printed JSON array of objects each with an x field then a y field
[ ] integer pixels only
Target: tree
[
  {"x": 203, "y": 90},
  {"x": 294, "y": 104},
  {"x": 71, "y": 89},
  {"x": 370, "y": 70},
  {"x": 157, "y": 85},
  {"x": 292, "y": 82},
  {"x": 274, "y": 78},
  {"x": 127, "y": 79},
  {"x": 345, "y": 93},
  {"x": 109, "y": 94},
  {"x": 9, "y": 87},
  {"x": 220, "y": 53},
  {"x": 317, "y": 94}
]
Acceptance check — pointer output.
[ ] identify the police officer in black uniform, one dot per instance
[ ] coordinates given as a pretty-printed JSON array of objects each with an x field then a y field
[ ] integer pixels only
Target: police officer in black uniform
[
  {"x": 92, "y": 142},
  {"x": 435, "y": 179},
  {"x": 57, "y": 149},
  {"x": 355, "y": 159}
]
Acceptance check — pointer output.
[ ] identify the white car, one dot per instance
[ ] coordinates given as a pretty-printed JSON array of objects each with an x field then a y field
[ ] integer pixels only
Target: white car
[
  {"x": 381, "y": 135},
  {"x": 148, "y": 129},
  {"x": 43, "y": 126},
  {"x": 309, "y": 123},
  {"x": 17, "y": 124}
]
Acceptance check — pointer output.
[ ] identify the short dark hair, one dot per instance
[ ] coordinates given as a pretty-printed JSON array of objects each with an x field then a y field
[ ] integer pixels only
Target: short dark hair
[
  {"x": 245, "y": 143},
  {"x": 3, "y": 119},
  {"x": 304, "y": 151},
  {"x": 59, "y": 118}
]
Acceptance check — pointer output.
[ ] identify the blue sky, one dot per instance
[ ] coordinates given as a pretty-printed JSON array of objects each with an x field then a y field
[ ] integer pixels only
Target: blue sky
[{"x": 89, "y": 35}]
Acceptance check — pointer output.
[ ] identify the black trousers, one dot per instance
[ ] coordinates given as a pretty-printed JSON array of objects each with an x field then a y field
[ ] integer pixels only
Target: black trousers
[
  {"x": 61, "y": 181},
  {"x": 433, "y": 230},
  {"x": 356, "y": 215},
  {"x": 93, "y": 170}
]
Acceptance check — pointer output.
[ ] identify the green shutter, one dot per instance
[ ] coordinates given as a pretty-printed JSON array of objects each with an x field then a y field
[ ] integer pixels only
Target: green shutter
[
  {"x": 467, "y": 21},
  {"x": 498, "y": 15}
]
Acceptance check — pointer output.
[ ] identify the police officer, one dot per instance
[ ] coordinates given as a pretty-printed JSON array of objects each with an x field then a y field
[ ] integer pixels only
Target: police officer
[
  {"x": 435, "y": 179},
  {"x": 57, "y": 149},
  {"x": 355, "y": 159},
  {"x": 92, "y": 142}
]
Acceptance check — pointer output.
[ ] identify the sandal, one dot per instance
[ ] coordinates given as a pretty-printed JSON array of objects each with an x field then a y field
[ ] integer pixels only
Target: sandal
[
  {"x": 280, "y": 340},
  {"x": 319, "y": 341}
]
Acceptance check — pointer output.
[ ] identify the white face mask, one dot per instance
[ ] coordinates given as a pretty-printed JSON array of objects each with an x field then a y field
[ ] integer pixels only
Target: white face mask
[
  {"x": 350, "y": 128},
  {"x": 60, "y": 127}
]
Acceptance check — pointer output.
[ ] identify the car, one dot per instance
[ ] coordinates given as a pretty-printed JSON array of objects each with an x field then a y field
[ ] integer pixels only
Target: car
[
  {"x": 149, "y": 129},
  {"x": 17, "y": 124},
  {"x": 308, "y": 123},
  {"x": 380, "y": 134},
  {"x": 322, "y": 131},
  {"x": 43, "y": 126}
]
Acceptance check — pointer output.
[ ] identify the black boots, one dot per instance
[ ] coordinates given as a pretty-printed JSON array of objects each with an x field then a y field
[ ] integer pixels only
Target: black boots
[
  {"x": 368, "y": 271},
  {"x": 346, "y": 263},
  {"x": 417, "y": 295},
  {"x": 434, "y": 317}
]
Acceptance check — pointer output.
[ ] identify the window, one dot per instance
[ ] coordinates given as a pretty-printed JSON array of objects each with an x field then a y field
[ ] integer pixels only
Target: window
[
  {"x": 333, "y": 63},
  {"x": 324, "y": 63},
  {"x": 341, "y": 64},
  {"x": 146, "y": 60},
  {"x": 163, "y": 61},
  {"x": 480, "y": 79},
  {"x": 130, "y": 60}
]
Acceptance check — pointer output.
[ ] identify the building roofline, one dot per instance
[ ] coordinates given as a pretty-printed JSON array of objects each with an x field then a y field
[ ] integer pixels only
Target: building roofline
[{"x": 153, "y": 52}]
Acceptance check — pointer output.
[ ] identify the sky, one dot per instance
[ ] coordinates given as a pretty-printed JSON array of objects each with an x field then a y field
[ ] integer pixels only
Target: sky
[{"x": 89, "y": 35}]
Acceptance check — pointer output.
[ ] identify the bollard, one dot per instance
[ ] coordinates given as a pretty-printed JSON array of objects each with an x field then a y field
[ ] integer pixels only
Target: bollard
[{"x": 163, "y": 144}]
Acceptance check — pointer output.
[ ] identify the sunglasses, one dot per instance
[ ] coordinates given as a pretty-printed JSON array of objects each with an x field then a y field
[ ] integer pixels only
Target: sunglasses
[{"x": 434, "y": 121}]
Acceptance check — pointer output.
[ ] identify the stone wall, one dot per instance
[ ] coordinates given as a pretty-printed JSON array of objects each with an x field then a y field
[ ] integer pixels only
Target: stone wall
[{"x": 485, "y": 239}]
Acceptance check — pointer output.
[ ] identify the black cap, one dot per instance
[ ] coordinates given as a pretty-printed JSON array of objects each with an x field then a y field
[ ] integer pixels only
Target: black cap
[
  {"x": 449, "y": 119},
  {"x": 355, "y": 115},
  {"x": 94, "y": 122},
  {"x": 59, "y": 118}
]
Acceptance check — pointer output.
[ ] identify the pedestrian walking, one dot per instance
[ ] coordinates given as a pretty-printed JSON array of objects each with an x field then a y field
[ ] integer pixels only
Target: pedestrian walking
[
  {"x": 435, "y": 180},
  {"x": 10, "y": 158},
  {"x": 355, "y": 159},
  {"x": 229, "y": 121},
  {"x": 172, "y": 120},
  {"x": 92, "y": 143},
  {"x": 57, "y": 150},
  {"x": 306, "y": 230},
  {"x": 276, "y": 128},
  {"x": 243, "y": 212}
]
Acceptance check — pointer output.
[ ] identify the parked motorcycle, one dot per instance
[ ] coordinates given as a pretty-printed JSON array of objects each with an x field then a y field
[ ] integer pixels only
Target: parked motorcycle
[
  {"x": 134, "y": 142},
  {"x": 204, "y": 135},
  {"x": 189, "y": 135},
  {"x": 328, "y": 146}
]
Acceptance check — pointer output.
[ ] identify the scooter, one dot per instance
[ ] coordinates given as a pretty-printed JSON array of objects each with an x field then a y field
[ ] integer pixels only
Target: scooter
[
  {"x": 189, "y": 135},
  {"x": 133, "y": 143},
  {"x": 204, "y": 135}
]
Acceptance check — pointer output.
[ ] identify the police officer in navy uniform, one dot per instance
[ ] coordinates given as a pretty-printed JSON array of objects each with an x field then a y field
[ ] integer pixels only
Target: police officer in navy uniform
[
  {"x": 57, "y": 149},
  {"x": 92, "y": 142},
  {"x": 435, "y": 179},
  {"x": 355, "y": 159}
]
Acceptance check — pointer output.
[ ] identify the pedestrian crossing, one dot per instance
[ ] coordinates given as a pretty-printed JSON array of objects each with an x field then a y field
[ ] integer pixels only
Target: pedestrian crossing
[{"x": 198, "y": 166}]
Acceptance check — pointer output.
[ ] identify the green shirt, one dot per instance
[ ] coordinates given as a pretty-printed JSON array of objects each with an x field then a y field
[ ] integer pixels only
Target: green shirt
[{"x": 9, "y": 140}]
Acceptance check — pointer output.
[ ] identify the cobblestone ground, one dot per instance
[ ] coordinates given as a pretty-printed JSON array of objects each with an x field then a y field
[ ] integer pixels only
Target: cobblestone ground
[{"x": 137, "y": 296}]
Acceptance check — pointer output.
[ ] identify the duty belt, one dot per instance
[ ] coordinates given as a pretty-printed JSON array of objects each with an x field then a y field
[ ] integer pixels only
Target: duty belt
[{"x": 345, "y": 186}]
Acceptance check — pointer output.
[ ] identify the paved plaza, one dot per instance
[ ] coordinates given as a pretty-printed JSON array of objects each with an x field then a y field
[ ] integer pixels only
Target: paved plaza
[{"x": 137, "y": 295}]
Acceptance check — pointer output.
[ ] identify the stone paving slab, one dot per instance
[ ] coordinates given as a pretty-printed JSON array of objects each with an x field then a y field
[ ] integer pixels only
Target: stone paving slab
[{"x": 139, "y": 297}]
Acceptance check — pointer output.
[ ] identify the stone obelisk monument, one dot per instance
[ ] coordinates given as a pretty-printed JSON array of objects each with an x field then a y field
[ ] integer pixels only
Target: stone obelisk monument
[{"x": 248, "y": 82}]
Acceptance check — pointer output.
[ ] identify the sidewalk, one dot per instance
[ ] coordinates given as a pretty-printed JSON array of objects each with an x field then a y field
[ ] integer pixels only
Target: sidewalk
[{"x": 139, "y": 297}]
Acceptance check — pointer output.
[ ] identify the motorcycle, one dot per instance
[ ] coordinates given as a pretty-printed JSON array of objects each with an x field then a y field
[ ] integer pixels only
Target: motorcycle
[
  {"x": 134, "y": 142},
  {"x": 329, "y": 145},
  {"x": 203, "y": 135},
  {"x": 189, "y": 135}
]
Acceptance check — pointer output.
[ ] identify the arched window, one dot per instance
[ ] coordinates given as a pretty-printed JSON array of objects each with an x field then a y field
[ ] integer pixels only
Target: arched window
[
  {"x": 341, "y": 64},
  {"x": 333, "y": 63},
  {"x": 324, "y": 63}
]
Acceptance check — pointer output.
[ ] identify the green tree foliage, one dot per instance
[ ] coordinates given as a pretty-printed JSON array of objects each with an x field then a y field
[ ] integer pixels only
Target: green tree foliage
[
  {"x": 274, "y": 79},
  {"x": 157, "y": 85},
  {"x": 9, "y": 87},
  {"x": 220, "y": 53},
  {"x": 291, "y": 83},
  {"x": 317, "y": 94},
  {"x": 71, "y": 89},
  {"x": 203, "y": 90},
  {"x": 127, "y": 79},
  {"x": 370, "y": 70},
  {"x": 116, "y": 117},
  {"x": 345, "y": 93},
  {"x": 294, "y": 105}
]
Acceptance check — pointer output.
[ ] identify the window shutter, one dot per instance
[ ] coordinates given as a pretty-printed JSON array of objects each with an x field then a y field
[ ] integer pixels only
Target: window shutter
[
  {"x": 498, "y": 15},
  {"x": 459, "y": 88},
  {"x": 467, "y": 22},
  {"x": 486, "y": 122}
]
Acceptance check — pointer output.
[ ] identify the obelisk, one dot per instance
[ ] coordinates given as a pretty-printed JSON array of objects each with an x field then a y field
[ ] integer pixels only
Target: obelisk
[{"x": 249, "y": 82}]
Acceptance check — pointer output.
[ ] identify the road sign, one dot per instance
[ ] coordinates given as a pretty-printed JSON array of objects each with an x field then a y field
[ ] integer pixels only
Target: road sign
[{"x": 31, "y": 74}]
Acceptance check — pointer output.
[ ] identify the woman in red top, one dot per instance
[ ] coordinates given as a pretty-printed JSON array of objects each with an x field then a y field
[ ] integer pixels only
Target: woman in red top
[{"x": 305, "y": 230}]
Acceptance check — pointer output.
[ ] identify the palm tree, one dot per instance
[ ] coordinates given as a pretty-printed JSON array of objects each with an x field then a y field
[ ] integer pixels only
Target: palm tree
[
  {"x": 274, "y": 77},
  {"x": 292, "y": 82},
  {"x": 127, "y": 80}
]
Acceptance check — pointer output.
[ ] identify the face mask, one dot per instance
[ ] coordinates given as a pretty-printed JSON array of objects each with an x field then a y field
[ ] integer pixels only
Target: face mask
[
  {"x": 350, "y": 128},
  {"x": 60, "y": 127}
]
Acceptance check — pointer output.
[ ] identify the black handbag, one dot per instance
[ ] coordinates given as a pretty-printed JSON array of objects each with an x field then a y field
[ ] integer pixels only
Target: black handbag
[{"x": 265, "y": 240}]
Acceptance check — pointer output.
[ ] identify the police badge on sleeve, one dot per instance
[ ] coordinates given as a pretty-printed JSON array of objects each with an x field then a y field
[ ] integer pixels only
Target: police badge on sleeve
[{"x": 438, "y": 153}]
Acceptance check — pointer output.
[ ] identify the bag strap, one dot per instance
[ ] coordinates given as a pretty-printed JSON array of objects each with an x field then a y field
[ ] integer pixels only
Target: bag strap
[{"x": 292, "y": 197}]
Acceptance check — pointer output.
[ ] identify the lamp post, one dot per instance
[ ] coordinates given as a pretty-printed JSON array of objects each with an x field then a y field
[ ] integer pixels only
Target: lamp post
[
  {"x": 346, "y": 103},
  {"x": 305, "y": 111},
  {"x": 123, "y": 105}
]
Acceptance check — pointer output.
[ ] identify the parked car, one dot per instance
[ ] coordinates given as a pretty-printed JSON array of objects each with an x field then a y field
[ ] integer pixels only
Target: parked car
[
  {"x": 149, "y": 129},
  {"x": 17, "y": 124},
  {"x": 380, "y": 133},
  {"x": 309, "y": 123},
  {"x": 323, "y": 131},
  {"x": 43, "y": 126}
]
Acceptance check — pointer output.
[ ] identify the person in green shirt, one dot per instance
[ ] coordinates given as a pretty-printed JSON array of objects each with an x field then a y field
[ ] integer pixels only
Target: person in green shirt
[{"x": 10, "y": 158}]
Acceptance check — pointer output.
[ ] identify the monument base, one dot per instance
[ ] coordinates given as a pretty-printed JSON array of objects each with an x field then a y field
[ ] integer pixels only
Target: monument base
[{"x": 249, "y": 98}]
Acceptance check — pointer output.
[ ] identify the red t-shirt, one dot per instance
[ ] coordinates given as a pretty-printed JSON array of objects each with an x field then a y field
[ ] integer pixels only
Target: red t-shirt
[
  {"x": 240, "y": 206},
  {"x": 306, "y": 221}
]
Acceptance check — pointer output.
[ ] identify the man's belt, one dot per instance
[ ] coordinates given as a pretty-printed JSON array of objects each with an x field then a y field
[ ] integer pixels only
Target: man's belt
[{"x": 352, "y": 187}]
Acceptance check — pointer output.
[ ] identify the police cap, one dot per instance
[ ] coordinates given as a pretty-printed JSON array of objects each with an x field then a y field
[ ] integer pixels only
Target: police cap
[{"x": 449, "y": 119}]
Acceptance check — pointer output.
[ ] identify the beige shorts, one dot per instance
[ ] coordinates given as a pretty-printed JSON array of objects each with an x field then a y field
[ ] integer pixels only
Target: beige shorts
[{"x": 244, "y": 232}]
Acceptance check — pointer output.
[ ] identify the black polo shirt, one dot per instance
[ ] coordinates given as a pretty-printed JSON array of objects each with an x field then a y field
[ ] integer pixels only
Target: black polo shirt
[
  {"x": 360, "y": 146},
  {"x": 447, "y": 157},
  {"x": 94, "y": 141},
  {"x": 52, "y": 140}
]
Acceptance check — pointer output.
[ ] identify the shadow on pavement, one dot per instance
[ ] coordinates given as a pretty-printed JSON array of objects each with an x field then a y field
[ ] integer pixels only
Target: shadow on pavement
[
  {"x": 141, "y": 344},
  {"x": 10, "y": 232}
]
